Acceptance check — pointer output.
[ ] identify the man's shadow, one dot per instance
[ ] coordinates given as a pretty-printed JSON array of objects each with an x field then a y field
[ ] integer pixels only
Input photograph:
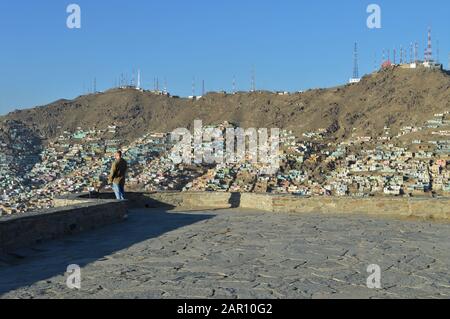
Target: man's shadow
[{"x": 235, "y": 200}]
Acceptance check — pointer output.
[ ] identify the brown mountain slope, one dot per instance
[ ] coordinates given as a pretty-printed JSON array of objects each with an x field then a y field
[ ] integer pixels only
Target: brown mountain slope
[{"x": 394, "y": 98}]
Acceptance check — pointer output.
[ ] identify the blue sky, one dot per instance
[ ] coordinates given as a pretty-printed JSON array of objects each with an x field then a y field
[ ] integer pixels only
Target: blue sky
[{"x": 292, "y": 44}]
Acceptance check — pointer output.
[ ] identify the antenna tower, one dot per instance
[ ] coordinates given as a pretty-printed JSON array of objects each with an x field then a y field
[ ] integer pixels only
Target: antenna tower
[{"x": 355, "y": 62}]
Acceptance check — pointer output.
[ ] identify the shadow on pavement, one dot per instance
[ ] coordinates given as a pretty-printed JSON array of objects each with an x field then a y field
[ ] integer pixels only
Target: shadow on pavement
[{"x": 26, "y": 267}]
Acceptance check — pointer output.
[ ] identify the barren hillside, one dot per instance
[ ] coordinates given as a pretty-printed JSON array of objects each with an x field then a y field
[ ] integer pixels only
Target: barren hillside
[{"x": 394, "y": 98}]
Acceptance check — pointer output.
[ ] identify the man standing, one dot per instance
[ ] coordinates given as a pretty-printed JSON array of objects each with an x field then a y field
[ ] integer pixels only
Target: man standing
[{"x": 117, "y": 176}]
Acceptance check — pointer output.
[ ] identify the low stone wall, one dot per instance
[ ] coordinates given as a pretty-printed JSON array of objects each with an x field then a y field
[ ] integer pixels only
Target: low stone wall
[
  {"x": 25, "y": 230},
  {"x": 219, "y": 200},
  {"x": 257, "y": 201},
  {"x": 429, "y": 208},
  {"x": 426, "y": 208},
  {"x": 77, "y": 213}
]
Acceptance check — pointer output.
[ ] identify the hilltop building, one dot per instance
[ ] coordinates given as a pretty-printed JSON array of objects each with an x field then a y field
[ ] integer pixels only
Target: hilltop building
[{"x": 420, "y": 64}]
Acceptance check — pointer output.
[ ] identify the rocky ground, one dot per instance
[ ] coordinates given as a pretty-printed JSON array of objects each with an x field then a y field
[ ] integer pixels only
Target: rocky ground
[{"x": 237, "y": 254}]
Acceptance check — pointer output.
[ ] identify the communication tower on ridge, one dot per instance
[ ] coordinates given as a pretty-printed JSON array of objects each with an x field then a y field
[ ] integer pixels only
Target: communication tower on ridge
[{"x": 355, "y": 78}]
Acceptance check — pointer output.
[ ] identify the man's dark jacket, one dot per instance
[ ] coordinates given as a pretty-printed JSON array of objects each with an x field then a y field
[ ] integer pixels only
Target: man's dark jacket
[{"x": 118, "y": 172}]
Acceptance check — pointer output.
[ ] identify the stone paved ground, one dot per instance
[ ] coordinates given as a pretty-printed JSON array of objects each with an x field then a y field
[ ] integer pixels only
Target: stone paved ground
[{"x": 238, "y": 254}]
